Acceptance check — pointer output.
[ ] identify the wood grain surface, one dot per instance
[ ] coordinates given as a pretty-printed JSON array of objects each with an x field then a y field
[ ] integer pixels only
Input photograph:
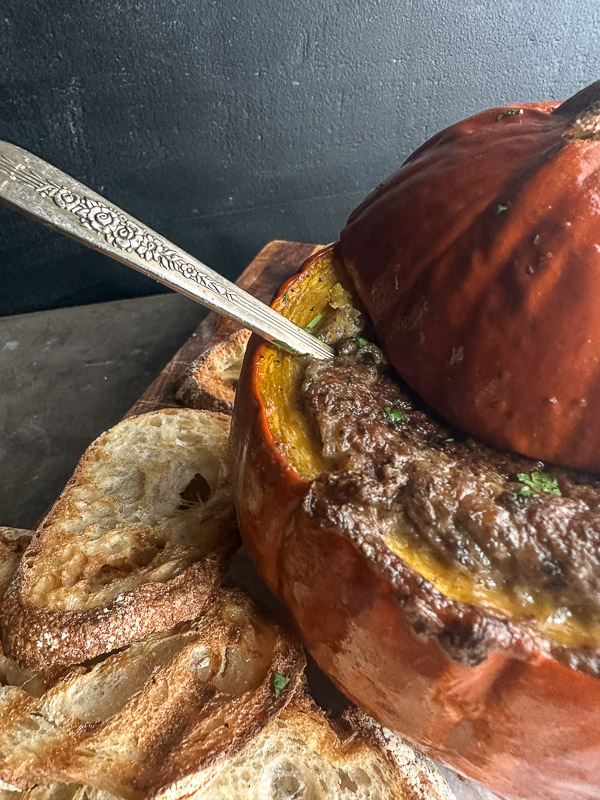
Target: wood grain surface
[{"x": 261, "y": 278}]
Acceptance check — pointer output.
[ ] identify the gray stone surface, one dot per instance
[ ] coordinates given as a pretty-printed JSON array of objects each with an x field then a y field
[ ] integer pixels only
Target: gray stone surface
[{"x": 67, "y": 375}]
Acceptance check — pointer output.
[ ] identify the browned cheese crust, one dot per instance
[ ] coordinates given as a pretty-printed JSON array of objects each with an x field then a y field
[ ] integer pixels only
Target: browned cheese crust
[{"x": 459, "y": 501}]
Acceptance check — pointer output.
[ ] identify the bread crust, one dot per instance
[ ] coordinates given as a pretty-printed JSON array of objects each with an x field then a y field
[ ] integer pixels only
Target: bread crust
[
  {"x": 13, "y": 543},
  {"x": 51, "y": 640},
  {"x": 48, "y": 638},
  {"x": 211, "y": 380},
  {"x": 170, "y": 737},
  {"x": 325, "y": 757},
  {"x": 172, "y": 716}
]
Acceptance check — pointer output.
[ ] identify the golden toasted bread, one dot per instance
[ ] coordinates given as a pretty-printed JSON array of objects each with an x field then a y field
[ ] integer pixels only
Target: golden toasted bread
[
  {"x": 162, "y": 717},
  {"x": 301, "y": 755},
  {"x": 136, "y": 542},
  {"x": 215, "y": 709},
  {"x": 13, "y": 543},
  {"x": 57, "y": 791},
  {"x": 211, "y": 380}
]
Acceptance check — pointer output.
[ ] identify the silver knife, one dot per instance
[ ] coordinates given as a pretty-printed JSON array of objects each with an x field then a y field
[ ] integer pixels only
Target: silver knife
[{"x": 31, "y": 185}]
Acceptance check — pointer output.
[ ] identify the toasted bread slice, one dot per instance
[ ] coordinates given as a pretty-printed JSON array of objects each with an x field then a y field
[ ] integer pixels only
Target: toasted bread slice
[
  {"x": 211, "y": 380},
  {"x": 57, "y": 791},
  {"x": 240, "y": 731},
  {"x": 161, "y": 718},
  {"x": 301, "y": 755},
  {"x": 13, "y": 542},
  {"x": 136, "y": 542}
]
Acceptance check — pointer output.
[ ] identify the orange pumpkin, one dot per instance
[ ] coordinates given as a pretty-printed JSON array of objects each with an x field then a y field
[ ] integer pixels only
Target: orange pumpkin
[
  {"x": 520, "y": 721},
  {"x": 479, "y": 263}
]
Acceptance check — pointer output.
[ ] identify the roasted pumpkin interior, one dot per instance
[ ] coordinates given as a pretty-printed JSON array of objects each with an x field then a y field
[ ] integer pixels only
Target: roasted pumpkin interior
[{"x": 307, "y": 300}]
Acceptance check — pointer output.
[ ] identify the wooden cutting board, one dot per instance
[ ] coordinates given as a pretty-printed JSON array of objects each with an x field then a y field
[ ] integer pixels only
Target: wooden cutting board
[
  {"x": 276, "y": 262},
  {"x": 262, "y": 277}
]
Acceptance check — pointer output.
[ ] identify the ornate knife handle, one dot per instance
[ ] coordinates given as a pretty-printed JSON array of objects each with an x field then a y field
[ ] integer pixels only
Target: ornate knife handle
[{"x": 34, "y": 187}]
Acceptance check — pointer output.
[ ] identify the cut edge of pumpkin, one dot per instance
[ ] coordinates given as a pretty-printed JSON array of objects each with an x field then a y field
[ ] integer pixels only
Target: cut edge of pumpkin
[{"x": 303, "y": 299}]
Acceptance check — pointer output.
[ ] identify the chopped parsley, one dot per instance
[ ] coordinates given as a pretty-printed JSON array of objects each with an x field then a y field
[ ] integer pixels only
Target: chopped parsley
[
  {"x": 510, "y": 112},
  {"x": 362, "y": 342},
  {"x": 541, "y": 481},
  {"x": 502, "y": 207},
  {"x": 394, "y": 415},
  {"x": 536, "y": 239},
  {"x": 279, "y": 683},
  {"x": 449, "y": 439},
  {"x": 285, "y": 297},
  {"x": 314, "y": 322},
  {"x": 283, "y": 345}
]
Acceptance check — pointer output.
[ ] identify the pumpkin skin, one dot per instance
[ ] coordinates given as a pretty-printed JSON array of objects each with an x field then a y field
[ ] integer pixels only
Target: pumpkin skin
[
  {"x": 479, "y": 264},
  {"x": 520, "y": 722},
  {"x": 497, "y": 329}
]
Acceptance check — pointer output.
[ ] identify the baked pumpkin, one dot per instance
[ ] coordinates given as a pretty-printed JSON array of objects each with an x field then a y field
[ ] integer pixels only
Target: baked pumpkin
[
  {"x": 479, "y": 263},
  {"x": 450, "y": 589}
]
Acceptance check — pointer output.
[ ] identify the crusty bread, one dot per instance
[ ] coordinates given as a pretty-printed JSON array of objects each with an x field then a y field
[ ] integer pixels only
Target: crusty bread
[
  {"x": 135, "y": 543},
  {"x": 301, "y": 755},
  {"x": 215, "y": 708},
  {"x": 13, "y": 543},
  {"x": 160, "y": 718},
  {"x": 196, "y": 712},
  {"x": 211, "y": 380},
  {"x": 57, "y": 791}
]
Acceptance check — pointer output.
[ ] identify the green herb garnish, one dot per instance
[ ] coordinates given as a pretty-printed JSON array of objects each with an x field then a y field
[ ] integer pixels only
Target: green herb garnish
[
  {"x": 541, "y": 481},
  {"x": 502, "y": 207},
  {"x": 536, "y": 239},
  {"x": 283, "y": 345},
  {"x": 362, "y": 342},
  {"x": 279, "y": 683},
  {"x": 285, "y": 297},
  {"x": 510, "y": 112},
  {"x": 449, "y": 439},
  {"x": 524, "y": 491},
  {"x": 394, "y": 415},
  {"x": 314, "y": 322}
]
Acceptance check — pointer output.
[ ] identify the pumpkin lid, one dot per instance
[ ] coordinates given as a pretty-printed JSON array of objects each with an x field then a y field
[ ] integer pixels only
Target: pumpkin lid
[{"x": 479, "y": 264}]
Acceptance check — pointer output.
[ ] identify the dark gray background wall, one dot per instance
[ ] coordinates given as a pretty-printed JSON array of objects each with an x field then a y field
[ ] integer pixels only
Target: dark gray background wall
[{"x": 226, "y": 124}]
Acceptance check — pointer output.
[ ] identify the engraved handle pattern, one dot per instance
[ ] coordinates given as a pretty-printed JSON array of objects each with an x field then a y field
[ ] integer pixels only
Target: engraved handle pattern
[
  {"x": 143, "y": 249},
  {"x": 117, "y": 229}
]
